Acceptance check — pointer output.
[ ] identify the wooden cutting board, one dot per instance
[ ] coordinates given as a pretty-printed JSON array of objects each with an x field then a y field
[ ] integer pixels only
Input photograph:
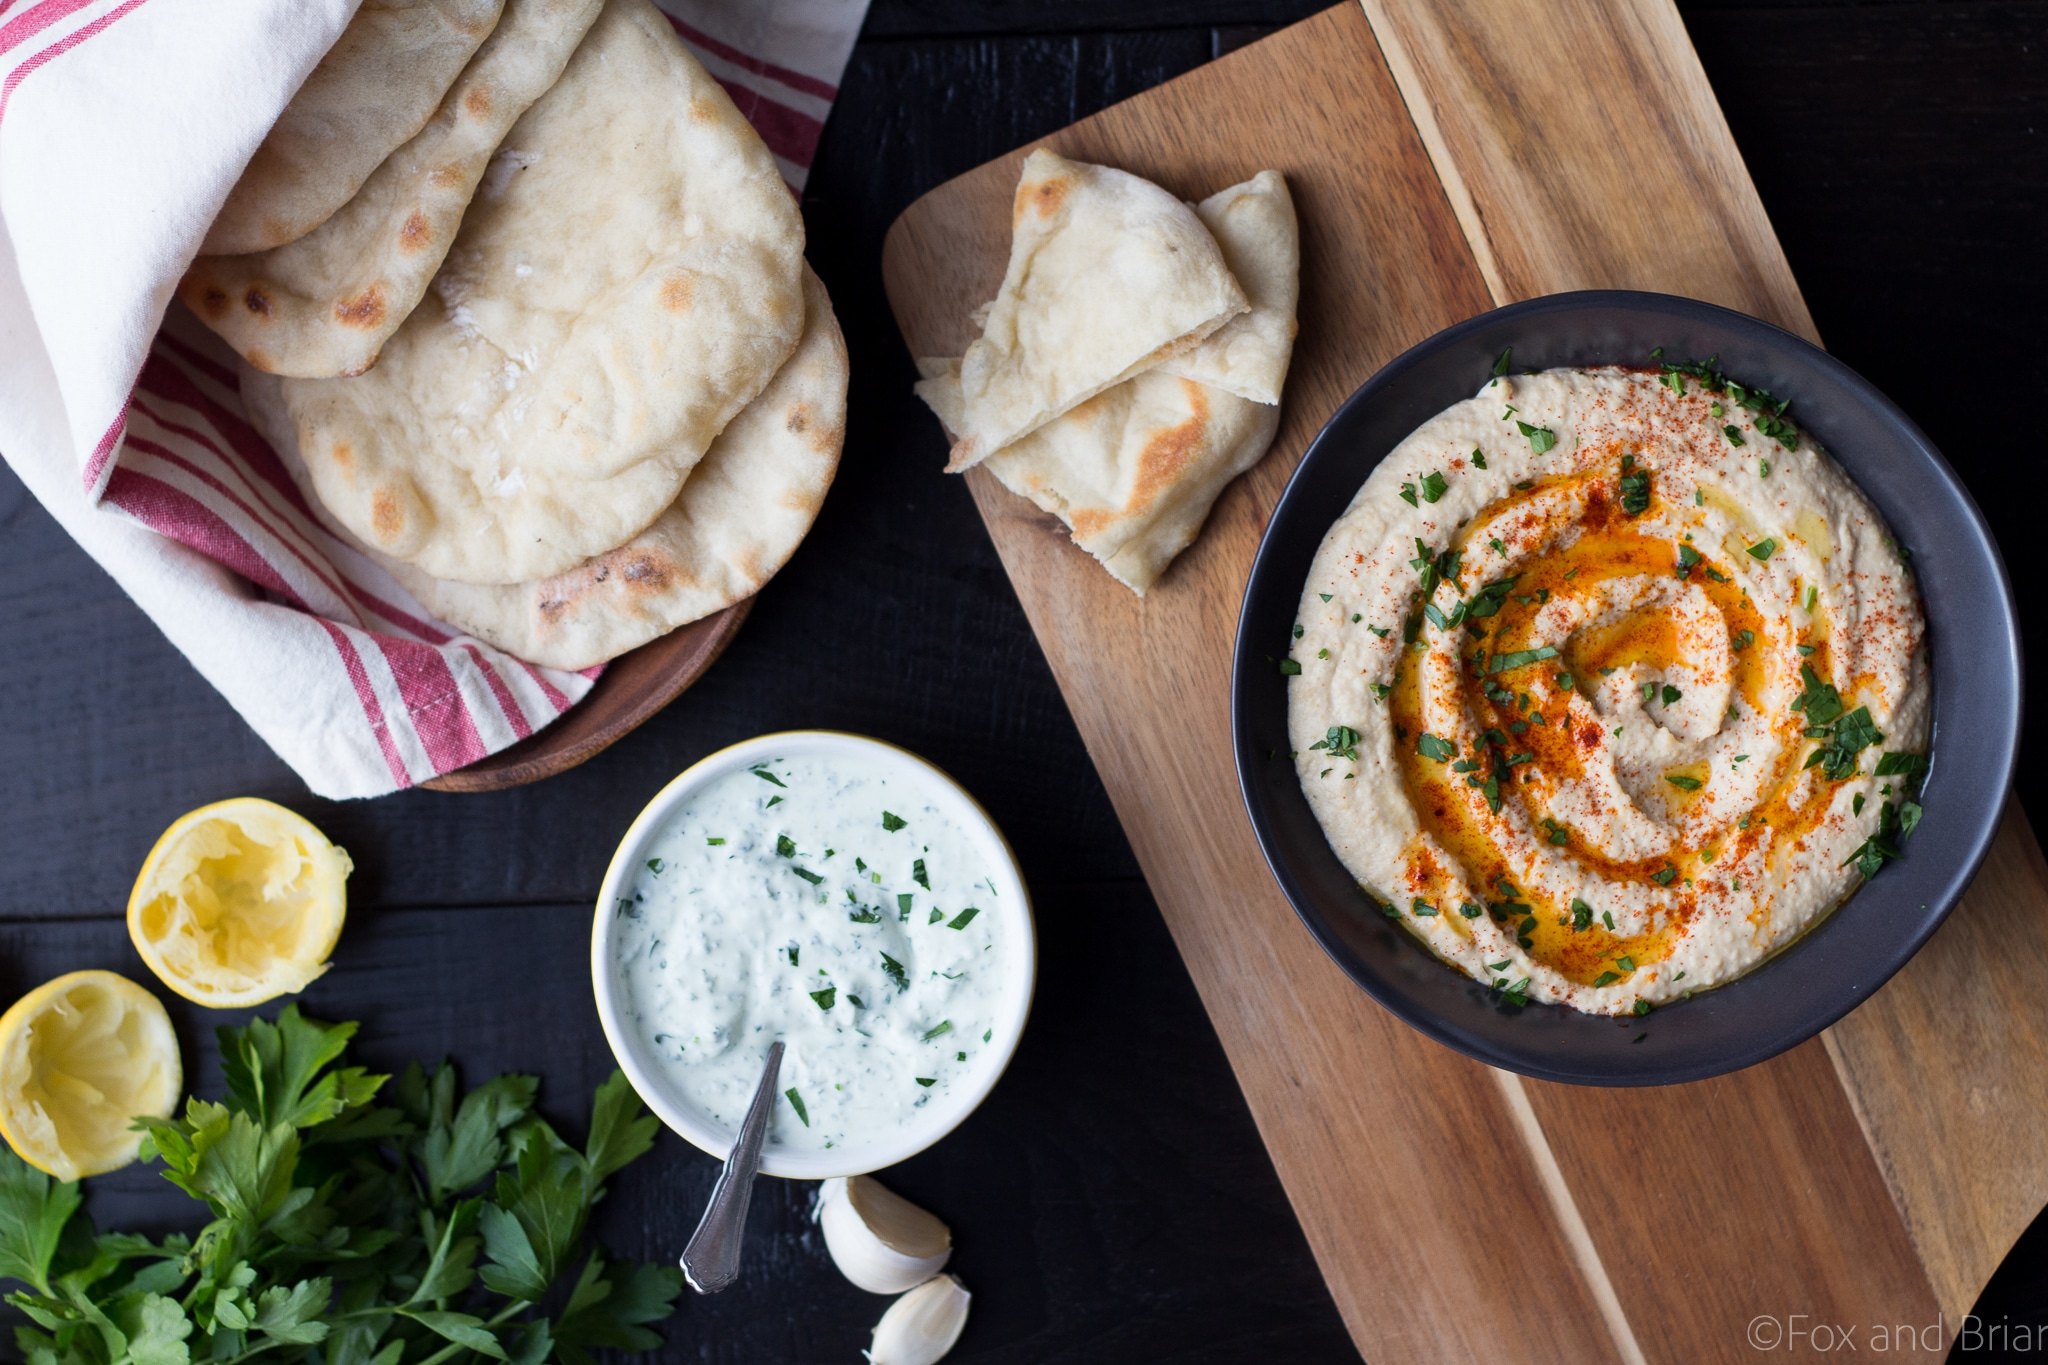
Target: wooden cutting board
[{"x": 1447, "y": 156}]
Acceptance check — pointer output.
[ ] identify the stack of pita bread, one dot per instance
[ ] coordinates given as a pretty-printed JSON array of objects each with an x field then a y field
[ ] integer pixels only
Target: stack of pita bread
[
  {"x": 523, "y": 307},
  {"x": 1131, "y": 365}
]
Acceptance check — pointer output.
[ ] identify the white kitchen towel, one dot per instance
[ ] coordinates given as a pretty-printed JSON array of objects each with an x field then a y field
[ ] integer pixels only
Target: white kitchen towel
[{"x": 123, "y": 123}]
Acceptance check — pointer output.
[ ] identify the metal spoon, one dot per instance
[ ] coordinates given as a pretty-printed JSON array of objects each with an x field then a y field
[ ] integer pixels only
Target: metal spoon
[{"x": 711, "y": 1261}]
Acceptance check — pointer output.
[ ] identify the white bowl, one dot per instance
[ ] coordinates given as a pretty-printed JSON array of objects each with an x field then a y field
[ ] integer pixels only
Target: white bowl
[{"x": 1012, "y": 906}]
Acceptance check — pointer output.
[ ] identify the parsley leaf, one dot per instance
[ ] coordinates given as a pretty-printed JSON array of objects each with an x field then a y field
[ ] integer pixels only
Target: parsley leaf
[{"x": 1541, "y": 439}]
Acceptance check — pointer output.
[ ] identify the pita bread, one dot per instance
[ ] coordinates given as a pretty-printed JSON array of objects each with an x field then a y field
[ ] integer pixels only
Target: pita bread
[
  {"x": 737, "y": 521},
  {"x": 324, "y": 304},
  {"x": 740, "y": 517},
  {"x": 595, "y": 325},
  {"x": 1132, "y": 471},
  {"x": 1108, "y": 275},
  {"x": 375, "y": 88},
  {"x": 1254, "y": 224}
]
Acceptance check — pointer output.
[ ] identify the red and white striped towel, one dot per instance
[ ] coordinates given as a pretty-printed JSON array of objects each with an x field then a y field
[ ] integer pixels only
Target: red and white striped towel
[{"x": 122, "y": 125}]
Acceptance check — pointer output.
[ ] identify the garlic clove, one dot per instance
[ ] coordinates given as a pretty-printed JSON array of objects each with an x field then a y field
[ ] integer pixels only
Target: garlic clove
[
  {"x": 922, "y": 1326},
  {"x": 879, "y": 1240}
]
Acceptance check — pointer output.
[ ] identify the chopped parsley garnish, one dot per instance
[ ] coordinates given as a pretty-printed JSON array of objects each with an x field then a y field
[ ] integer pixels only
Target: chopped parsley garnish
[
  {"x": 1478, "y": 458},
  {"x": 1896, "y": 763},
  {"x": 1664, "y": 876},
  {"x": 1687, "y": 557},
  {"x": 1500, "y": 367},
  {"x": 1582, "y": 916},
  {"x": 943, "y": 1026},
  {"x": 1841, "y": 742},
  {"x": 1743, "y": 639},
  {"x": 1421, "y": 908},
  {"x": 1763, "y": 469},
  {"x": 785, "y": 847},
  {"x": 1635, "y": 490},
  {"x": 1670, "y": 694},
  {"x": 893, "y": 822},
  {"x": 1341, "y": 741},
  {"x": 1682, "y": 782},
  {"x": 1290, "y": 667},
  {"x": 1513, "y": 993},
  {"x": 864, "y": 914},
  {"x": 1521, "y": 658},
  {"x": 1643, "y": 1007},
  {"x": 1429, "y": 746},
  {"x": 808, "y": 875},
  {"x": 760, "y": 770},
  {"x": 1408, "y": 495},
  {"x": 825, "y": 998},
  {"x": 964, "y": 918},
  {"x": 792, "y": 951},
  {"x": 1541, "y": 439},
  {"x": 927, "y": 1081},
  {"x": 1894, "y": 822},
  {"x": 895, "y": 972},
  {"x": 1434, "y": 486},
  {"x": 1763, "y": 549},
  {"x": 918, "y": 875},
  {"x": 1770, "y": 412},
  {"x": 796, "y": 1102},
  {"x": 714, "y": 841},
  {"x": 1555, "y": 833},
  {"x": 1734, "y": 435},
  {"x": 1471, "y": 909},
  {"x": 1606, "y": 978}
]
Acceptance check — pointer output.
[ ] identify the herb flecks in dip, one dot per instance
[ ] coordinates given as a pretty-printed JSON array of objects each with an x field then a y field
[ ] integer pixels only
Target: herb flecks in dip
[
  {"x": 843, "y": 912},
  {"x": 1610, "y": 684}
]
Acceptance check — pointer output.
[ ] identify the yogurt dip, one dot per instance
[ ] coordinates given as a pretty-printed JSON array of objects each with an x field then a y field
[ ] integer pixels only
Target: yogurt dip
[
  {"x": 855, "y": 910},
  {"x": 1609, "y": 684}
]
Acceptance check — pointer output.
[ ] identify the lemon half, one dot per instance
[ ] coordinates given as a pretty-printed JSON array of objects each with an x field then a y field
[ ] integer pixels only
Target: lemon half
[
  {"x": 238, "y": 903},
  {"x": 80, "y": 1058}
]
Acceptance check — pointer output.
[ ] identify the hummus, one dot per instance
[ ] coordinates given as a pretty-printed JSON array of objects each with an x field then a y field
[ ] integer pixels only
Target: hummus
[{"x": 1610, "y": 683}]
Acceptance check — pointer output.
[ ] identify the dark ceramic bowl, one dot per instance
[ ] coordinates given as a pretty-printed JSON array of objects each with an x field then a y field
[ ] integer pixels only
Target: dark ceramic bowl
[{"x": 1974, "y": 649}]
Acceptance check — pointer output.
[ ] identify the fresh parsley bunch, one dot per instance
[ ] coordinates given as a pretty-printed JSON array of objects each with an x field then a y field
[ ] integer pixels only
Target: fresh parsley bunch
[{"x": 353, "y": 1222}]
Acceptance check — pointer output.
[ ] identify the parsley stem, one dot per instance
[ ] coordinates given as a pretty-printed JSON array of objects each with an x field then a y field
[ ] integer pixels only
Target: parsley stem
[{"x": 453, "y": 1349}]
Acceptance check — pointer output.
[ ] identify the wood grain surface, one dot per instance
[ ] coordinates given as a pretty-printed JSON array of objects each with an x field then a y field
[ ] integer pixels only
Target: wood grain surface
[{"x": 1439, "y": 167}]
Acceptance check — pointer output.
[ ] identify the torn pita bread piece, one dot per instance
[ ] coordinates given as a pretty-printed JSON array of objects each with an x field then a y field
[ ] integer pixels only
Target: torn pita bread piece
[
  {"x": 325, "y": 304},
  {"x": 1254, "y": 224},
  {"x": 1132, "y": 471},
  {"x": 746, "y": 507},
  {"x": 595, "y": 326},
  {"x": 1108, "y": 275},
  {"x": 376, "y": 87}
]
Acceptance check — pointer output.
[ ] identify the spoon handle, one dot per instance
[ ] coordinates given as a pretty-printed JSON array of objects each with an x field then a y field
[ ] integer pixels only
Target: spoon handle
[{"x": 711, "y": 1261}]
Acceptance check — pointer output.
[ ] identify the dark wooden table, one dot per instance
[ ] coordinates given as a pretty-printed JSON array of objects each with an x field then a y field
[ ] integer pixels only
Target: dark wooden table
[{"x": 1111, "y": 1202}]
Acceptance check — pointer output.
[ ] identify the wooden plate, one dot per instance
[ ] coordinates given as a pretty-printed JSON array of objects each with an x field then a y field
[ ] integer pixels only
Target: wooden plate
[{"x": 634, "y": 686}]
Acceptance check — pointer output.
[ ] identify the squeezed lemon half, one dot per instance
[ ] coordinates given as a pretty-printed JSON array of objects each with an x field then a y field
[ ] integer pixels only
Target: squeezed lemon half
[
  {"x": 81, "y": 1057},
  {"x": 239, "y": 902}
]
